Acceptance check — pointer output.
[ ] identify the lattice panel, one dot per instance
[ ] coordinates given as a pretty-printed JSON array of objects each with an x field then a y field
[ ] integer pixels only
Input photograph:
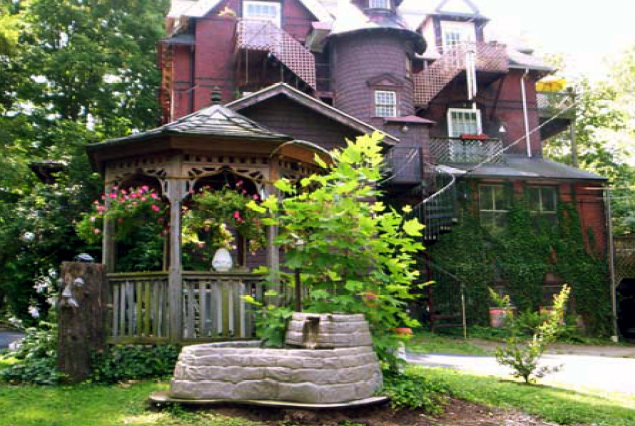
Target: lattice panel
[
  {"x": 490, "y": 57},
  {"x": 456, "y": 150},
  {"x": 624, "y": 258},
  {"x": 266, "y": 36}
]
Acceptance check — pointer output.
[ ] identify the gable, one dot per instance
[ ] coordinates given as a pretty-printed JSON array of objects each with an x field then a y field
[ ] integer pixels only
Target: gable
[
  {"x": 201, "y": 8},
  {"x": 384, "y": 80},
  {"x": 462, "y": 7}
]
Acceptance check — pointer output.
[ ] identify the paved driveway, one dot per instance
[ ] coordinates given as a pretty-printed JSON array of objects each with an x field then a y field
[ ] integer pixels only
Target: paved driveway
[
  {"x": 8, "y": 336},
  {"x": 579, "y": 371}
]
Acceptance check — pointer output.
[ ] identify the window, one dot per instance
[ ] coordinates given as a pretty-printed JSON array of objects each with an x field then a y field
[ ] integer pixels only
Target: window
[
  {"x": 379, "y": 4},
  {"x": 462, "y": 121},
  {"x": 454, "y": 33},
  {"x": 543, "y": 201},
  {"x": 493, "y": 207},
  {"x": 385, "y": 104},
  {"x": 262, "y": 11}
]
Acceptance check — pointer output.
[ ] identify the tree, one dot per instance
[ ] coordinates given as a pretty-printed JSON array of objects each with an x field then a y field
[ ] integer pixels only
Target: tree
[
  {"x": 74, "y": 72},
  {"x": 605, "y": 130}
]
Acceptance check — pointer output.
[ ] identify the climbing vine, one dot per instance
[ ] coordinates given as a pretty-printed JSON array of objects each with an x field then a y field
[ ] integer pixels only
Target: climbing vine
[{"x": 519, "y": 256}]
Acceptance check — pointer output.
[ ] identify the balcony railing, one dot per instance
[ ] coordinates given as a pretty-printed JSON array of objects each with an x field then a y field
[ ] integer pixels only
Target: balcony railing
[
  {"x": 458, "y": 150},
  {"x": 553, "y": 103},
  {"x": 266, "y": 36}
]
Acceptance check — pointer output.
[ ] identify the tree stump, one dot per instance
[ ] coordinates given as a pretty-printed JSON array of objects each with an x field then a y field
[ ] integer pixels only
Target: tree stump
[{"x": 82, "y": 317}]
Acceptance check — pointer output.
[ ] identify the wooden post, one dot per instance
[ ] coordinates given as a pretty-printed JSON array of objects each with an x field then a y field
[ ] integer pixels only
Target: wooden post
[
  {"x": 175, "y": 194},
  {"x": 108, "y": 247},
  {"x": 273, "y": 254},
  {"x": 82, "y": 317}
]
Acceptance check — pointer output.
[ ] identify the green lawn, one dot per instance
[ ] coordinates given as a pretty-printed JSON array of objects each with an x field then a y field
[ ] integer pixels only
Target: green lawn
[
  {"x": 427, "y": 342},
  {"x": 553, "y": 404}
]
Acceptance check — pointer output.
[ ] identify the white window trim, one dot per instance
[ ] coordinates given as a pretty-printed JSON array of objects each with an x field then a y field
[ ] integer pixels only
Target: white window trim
[
  {"x": 276, "y": 5},
  {"x": 379, "y": 4},
  {"x": 467, "y": 30},
  {"x": 377, "y": 105},
  {"x": 479, "y": 125}
]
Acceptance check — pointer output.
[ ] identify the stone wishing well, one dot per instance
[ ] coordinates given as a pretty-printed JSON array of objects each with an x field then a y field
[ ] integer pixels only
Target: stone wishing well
[{"x": 334, "y": 363}]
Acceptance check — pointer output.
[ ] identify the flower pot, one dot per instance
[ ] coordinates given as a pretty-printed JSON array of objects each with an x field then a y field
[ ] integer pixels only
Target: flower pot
[
  {"x": 497, "y": 317},
  {"x": 403, "y": 331},
  {"x": 222, "y": 261}
]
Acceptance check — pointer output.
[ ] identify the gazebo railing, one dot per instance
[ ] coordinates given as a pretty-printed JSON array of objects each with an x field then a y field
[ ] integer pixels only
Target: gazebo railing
[{"x": 212, "y": 306}]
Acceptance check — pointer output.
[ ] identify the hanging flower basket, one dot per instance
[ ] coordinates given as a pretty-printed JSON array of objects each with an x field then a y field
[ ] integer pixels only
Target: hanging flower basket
[{"x": 475, "y": 137}]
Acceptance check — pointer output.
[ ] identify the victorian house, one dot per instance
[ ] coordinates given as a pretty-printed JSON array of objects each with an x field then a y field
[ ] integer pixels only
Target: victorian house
[{"x": 460, "y": 112}]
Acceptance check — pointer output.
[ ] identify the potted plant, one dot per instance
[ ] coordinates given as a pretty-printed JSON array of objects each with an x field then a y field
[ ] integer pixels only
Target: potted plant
[{"x": 502, "y": 311}]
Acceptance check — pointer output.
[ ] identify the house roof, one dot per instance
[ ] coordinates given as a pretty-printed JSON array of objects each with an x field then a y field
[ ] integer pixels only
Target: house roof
[
  {"x": 200, "y": 8},
  {"x": 349, "y": 18},
  {"x": 215, "y": 120},
  {"x": 524, "y": 61},
  {"x": 283, "y": 89},
  {"x": 519, "y": 166}
]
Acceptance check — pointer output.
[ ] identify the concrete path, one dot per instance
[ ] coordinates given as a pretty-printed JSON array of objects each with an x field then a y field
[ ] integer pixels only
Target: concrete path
[
  {"x": 8, "y": 336},
  {"x": 579, "y": 371}
]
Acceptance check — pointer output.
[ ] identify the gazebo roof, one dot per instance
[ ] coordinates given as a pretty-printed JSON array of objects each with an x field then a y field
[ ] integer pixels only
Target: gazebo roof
[{"x": 215, "y": 122}]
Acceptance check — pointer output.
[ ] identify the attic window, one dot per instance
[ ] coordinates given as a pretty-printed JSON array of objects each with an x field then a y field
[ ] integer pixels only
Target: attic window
[
  {"x": 385, "y": 103},
  {"x": 455, "y": 33},
  {"x": 262, "y": 11},
  {"x": 379, "y": 4}
]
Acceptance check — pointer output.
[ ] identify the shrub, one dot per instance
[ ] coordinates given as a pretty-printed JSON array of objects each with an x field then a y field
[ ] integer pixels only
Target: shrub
[
  {"x": 36, "y": 357},
  {"x": 412, "y": 390},
  {"x": 122, "y": 363},
  {"x": 523, "y": 358}
]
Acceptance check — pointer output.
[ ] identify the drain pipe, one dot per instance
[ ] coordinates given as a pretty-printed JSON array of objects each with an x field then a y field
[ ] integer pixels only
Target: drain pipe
[
  {"x": 611, "y": 253},
  {"x": 525, "y": 113}
]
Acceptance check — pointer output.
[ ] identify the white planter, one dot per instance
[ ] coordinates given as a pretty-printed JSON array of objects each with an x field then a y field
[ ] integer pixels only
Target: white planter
[{"x": 222, "y": 261}]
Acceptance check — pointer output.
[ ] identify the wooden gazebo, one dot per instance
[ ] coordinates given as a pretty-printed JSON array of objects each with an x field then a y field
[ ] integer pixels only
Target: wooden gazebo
[{"x": 174, "y": 305}]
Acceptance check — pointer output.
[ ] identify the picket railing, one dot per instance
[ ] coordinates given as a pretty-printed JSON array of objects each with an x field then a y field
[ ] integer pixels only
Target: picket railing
[{"x": 212, "y": 306}]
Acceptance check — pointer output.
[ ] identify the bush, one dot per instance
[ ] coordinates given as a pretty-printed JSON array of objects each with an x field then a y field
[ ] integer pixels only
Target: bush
[
  {"x": 36, "y": 358},
  {"x": 122, "y": 363},
  {"x": 412, "y": 390}
]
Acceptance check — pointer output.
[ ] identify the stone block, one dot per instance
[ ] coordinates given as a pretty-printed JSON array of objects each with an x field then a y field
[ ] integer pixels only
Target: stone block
[
  {"x": 300, "y": 392},
  {"x": 280, "y": 374},
  {"x": 256, "y": 389}
]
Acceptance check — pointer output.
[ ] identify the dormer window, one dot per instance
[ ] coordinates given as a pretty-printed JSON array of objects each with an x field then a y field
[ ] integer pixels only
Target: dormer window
[
  {"x": 262, "y": 11},
  {"x": 385, "y": 103},
  {"x": 454, "y": 33},
  {"x": 379, "y": 4}
]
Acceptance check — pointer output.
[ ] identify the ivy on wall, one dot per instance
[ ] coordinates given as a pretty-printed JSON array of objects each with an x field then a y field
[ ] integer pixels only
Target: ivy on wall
[{"x": 519, "y": 257}]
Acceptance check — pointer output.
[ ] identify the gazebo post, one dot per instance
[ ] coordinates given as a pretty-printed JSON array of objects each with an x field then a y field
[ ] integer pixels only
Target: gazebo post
[
  {"x": 273, "y": 254},
  {"x": 108, "y": 242},
  {"x": 175, "y": 194}
]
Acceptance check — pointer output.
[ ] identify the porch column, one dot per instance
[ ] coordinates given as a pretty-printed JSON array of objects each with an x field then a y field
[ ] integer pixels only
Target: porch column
[
  {"x": 108, "y": 242},
  {"x": 175, "y": 194}
]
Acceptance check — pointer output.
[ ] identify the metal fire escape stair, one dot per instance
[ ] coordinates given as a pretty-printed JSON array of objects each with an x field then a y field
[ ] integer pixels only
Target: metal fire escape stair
[
  {"x": 471, "y": 57},
  {"x": 268, "y": 37}
]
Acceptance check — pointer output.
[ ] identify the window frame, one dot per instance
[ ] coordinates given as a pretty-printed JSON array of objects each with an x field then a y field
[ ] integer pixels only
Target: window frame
[
  {"x": 451, "y": 124},
  {"x": 372, "y": 4},
  {"x": 377, "y": 105},
  {"x": 495, "y": 211},
  {"x": 552, "y": 215},
  {"x": 276, "y": 5}
]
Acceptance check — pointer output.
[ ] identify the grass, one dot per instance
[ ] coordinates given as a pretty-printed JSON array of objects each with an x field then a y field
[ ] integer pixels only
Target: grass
[
  {"x": 96, "y": 405},
  {"x": 427, "y": 342},
  {"x": 557, "y": 405}
]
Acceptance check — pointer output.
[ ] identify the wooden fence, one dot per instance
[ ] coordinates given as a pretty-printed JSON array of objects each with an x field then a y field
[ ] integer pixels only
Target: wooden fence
[{"x": 212, "y": 306}]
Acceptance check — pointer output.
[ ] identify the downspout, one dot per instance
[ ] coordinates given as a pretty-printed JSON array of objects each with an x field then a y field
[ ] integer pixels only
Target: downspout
[
  {"x": 525, "y": 113},
  {"x": 611, "y": 253}
]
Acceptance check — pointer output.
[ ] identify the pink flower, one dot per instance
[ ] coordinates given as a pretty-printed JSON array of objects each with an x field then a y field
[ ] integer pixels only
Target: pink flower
[
  {"x": 237, "y": 216},
  {"x": 96, "y": 231},
  {"x": 155, "y": 207},
  {"x": 256, "y": 197},
  {"x": 95, "y": 202},
  {"x": 154, "y": 196},
  {"x": 239, "y": 183},
  {"x": 143, "y": 198},
  {"x": 133, "y": 195},
  {"x": 103, "y": 197},
  {"x": 244, "y": 191},
  {"x": 144, "y": 188},
  {"x": 123, "y": 191},
  {"x": 113, "y": 195}
]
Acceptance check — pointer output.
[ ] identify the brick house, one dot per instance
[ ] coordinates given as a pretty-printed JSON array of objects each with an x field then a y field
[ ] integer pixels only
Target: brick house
[{"x": 455, "y": 106}]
